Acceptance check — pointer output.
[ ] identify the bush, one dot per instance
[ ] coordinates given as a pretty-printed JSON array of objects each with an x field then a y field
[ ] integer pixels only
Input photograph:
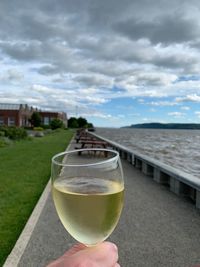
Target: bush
[
  {"x": 4, "y": 141},
  {"x": 48, "y": 131},
  {"x": 14, "y": 133},
  {"x": 38, "y": 129},
  {"x": 45, "y": 127},
  {"x": 2, "y": 133},
  {"x": 56, "y": 123}
]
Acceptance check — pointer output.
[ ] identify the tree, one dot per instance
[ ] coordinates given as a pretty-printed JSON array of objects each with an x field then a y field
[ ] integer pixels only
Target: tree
[
  {"x": 35, "y": 119},
  {"x": 90, "y": 125},
  {"x": 56, "y": 123},
  {"x": 72, "y": 123},
  {"x": 79, "y": 123},
  {"x": 82, "y": 122}
]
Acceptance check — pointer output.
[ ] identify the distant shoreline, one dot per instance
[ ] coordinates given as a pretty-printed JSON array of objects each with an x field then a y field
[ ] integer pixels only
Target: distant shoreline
[{"x": 175, "y": 126}]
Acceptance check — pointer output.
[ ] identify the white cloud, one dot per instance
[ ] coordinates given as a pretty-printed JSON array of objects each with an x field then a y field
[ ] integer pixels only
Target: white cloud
[
  {"x": 141, "y": 100},
  {"x": 176, "y": 114},
  {"x": 95, "y": 100},
  {"x": 197, "y": 113},
  {"x": 12, "y": 75},
  {"x": 41, "y": 89},
  {"x": 185, "y": 108},
  {"x": 189, "y": 98},
  {"x": 163, "y": 103}
]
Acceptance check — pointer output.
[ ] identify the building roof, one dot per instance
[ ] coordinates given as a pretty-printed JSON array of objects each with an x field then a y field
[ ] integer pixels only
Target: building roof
[{"x": 6, "y": 106}]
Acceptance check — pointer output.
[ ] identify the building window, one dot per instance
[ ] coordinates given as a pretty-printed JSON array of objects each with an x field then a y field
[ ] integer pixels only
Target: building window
[
  {"x": 46, "y": 120},
  {"x": 11, "y": 121},
  {"x": 1, "y": 120}
]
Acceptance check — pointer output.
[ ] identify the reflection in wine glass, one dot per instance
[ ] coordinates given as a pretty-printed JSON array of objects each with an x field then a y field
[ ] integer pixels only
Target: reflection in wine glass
[{"x": 88, "y": 192}]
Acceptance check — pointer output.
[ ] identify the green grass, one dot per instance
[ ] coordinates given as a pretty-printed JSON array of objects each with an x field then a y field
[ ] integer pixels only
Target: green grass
[{"x": 24, "y": 172}]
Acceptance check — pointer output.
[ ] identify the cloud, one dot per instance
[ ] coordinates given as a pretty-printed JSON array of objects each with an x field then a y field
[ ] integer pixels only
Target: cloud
[
  {"x": 88, "y": 53},
  {"x": 169, "y": 29},
  {"x": 176, "y": 114},
  {"x": 95, "y": 80},
  {"x": 189, "y": 98},
  {"x": 155, "y": 78},
  {"x": 197, "y": 113},
  {"x": 95, "y": 100},
  {"x": 163, "y": 103},
  {"x": 185, "y": 108},
  {"x": 12, "y": 75},
  {"x": 48, "y": 70}
]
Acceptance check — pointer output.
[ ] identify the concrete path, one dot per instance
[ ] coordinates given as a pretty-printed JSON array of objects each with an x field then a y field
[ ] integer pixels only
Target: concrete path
[{"x": 156, "y": 228}]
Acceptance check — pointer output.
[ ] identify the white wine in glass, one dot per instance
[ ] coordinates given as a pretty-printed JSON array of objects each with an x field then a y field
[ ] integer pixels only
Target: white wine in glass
[{"x": 88, "y": 192}]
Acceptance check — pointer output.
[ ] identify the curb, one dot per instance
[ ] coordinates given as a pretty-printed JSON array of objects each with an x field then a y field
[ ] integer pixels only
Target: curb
[{"x": 20, "y": 246}]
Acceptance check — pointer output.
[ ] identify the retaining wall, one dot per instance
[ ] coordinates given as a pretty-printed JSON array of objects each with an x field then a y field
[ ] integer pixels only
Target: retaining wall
[{"x": 179, "y": 182}]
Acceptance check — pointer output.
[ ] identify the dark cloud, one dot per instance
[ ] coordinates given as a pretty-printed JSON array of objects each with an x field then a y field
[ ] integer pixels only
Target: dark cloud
[
  {"x": 23, "y": 51},
  {"x": 165, "y": 30},
  {"x": 91, "y": 79},
  {"x": 48, "y": 70}
]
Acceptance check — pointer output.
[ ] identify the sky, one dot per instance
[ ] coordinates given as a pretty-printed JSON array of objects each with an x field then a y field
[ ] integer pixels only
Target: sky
[{"x": 113, "y": 62}]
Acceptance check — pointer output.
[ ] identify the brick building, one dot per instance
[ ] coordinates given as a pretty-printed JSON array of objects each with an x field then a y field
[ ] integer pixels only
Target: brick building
[
  {"x": 47, "y": 116},
  {"x": 19, "y": 115}
]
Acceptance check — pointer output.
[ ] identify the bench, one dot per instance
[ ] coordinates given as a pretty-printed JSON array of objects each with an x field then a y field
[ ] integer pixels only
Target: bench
[{"x": 91, "y": 144}]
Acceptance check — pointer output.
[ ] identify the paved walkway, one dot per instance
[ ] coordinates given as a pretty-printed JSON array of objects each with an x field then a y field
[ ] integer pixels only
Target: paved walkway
[{"x": 156, "y": 228}]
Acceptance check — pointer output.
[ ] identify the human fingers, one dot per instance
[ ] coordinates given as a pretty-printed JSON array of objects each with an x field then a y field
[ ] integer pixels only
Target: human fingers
[
  {"x": 76, "y": 248},
  {"x": 117, "y": 265},
  {"x": 104, "y": 254},
  {"x": 73, "y": 250}
]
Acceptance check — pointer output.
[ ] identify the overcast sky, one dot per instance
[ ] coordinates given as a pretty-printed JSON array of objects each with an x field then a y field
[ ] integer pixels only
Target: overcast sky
[{"x": 114, "y": 62}]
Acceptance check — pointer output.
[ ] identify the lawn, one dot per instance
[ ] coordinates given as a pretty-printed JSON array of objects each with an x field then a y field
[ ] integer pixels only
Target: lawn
[{"x": 24, "y": 173}]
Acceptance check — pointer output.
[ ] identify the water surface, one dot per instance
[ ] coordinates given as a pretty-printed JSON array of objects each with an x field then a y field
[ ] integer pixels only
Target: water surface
[{"x": 177, "y": 148}]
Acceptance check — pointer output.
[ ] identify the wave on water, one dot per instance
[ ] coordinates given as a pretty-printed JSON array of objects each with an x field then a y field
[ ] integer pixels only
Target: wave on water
[{"x": 177, "y": 148}]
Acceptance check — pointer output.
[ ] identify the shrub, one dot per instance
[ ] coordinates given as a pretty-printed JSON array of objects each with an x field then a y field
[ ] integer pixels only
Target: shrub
[
  {"x": 48, "y": 131},
  {"x": 4, "y": 141},
  {"x": 56, "y": 123},
  {"x": 38, "y": 129},
  {"x": 14, "y": 133},
  {"x": 45, "y": 127},
  {"x": 2, "y": 133}
]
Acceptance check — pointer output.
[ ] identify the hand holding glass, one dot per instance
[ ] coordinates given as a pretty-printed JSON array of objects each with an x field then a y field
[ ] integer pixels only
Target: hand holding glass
[{"x": 88, "y": 192}]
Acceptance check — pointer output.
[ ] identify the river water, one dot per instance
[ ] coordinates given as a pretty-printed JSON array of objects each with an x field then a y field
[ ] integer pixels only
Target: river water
[{"x": 177, "y": 148}]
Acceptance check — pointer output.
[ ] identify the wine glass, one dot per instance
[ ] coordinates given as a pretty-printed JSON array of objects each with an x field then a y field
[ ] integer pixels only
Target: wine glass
[{"x": 88, "y": 192}]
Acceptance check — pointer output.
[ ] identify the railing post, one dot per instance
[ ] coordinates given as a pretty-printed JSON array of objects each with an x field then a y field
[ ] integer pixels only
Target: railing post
[
  {"x": 178, "y": 187},
  {"x": 129, "y": 157},
  {"x": 147, "y": 169},
  {"x": 138, "y": 163},
  {"x": 160, "y": 177},
  {"x": 156, "y": 175}
]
